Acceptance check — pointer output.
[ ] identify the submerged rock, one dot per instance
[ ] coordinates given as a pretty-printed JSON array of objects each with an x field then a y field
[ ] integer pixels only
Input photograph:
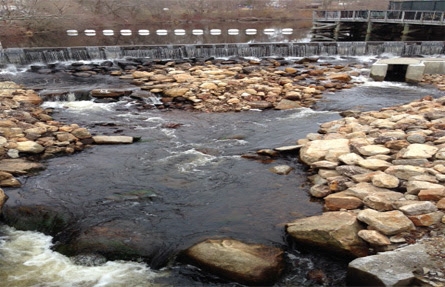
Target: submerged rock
[{"x": 251, "y": 264}]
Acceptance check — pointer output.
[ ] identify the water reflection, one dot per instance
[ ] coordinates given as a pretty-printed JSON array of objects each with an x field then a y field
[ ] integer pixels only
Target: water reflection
[{"x": 171, "y": 33}]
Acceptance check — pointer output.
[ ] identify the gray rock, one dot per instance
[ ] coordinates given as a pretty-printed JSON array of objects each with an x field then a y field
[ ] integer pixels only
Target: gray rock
[
  {"x": 281, "y": 169},
  {"x": 393, "y": 268},
  {"x": 419, "y": 264},
  {"x": 420, "y": 207},
  {"x": 414, "y": 186},
  {"x": 405, "y": 171}
]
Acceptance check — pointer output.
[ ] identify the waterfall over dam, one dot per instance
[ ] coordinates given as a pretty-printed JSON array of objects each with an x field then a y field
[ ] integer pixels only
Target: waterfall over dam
[{"x": 25, "y": 56}]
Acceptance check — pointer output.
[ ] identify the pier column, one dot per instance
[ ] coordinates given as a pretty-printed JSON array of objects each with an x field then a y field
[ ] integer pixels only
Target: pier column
[
  {"x": 368, "y": 32},
  {"x": 405, "y": 32},
  {"x": 337, "y": 31}
]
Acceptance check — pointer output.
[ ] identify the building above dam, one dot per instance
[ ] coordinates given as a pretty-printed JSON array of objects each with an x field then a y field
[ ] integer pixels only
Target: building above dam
[{"x": 403, "y": 21}]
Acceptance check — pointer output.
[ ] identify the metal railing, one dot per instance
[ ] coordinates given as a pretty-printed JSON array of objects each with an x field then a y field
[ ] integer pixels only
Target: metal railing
[{"x": 385, "y": 16}]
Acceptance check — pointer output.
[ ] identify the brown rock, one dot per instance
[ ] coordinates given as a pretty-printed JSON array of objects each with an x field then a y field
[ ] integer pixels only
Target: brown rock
[
  {"x": 250, "y": 264},
  {"x": 340, "y": 77},
  {"x": 3, "y": 198},
  {"x": 19, "y": 166},
  {"x": 287, "y": 105},
  {"x": 388, "y": 223},
  {"x": 441, "y": 204},
  {"x": 335, "y": 231},
  {"x": 29, "y": 97},
  {"x": 176, "y": 92},
  {"x": 427, "y": 219},
  {"x": 341, "y": 200},
  {"x": 374, "y": 237},
  {"x": 431, "y": 194}
]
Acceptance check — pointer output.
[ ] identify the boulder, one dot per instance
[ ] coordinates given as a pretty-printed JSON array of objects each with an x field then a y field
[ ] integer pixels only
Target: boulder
[
  {"x": 3, "y": 198},
  {"x": 374, "y": 237},
  {"x": 176, "y": 92},
  {"x": 19, "y": 166},
  {"x": 374, "y": 164},
  {"x": 419, "y": 207},
  {"x": 405, "y": 171},
  {"x": 29, "y": 147},
  {"x": 115, "y": 239},
  {"x": 281, "y": 169},
  {"x": 431, "y": 194},
  {"x": 286, "y": 104},
  {"x": 370, "y": 150},
  {"x": 113, "y": 139},
  {"x": 318, "y": 149},
  {"x": 250, "y": 264},
  {"x": 398, "y": 267},
  {"x": 29, "y": 97},
  {"x": 419, "y": 151},
  {"x": 415, "y": 186},
  {"x": 334, "y": 231},
  {"x": 382, "y": 201},
  {"x": 388, "y": 223},
  {"x": 363, "y": 189},
  {"x": 341, "y": 200},
  {"x": 427, "y": 219},
  {"x": 385, "y": 180}
]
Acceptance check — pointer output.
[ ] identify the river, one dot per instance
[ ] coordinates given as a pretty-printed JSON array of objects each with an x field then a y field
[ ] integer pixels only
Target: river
[{"x": 183, "y": 184}]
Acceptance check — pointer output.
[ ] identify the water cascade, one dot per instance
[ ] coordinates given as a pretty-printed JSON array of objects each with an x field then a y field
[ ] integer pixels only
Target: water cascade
[{"x": 22, "y": 56}]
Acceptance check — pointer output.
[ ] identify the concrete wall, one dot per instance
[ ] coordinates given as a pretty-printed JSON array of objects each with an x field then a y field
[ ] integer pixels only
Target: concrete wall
[{"x": 416, "y": 68}]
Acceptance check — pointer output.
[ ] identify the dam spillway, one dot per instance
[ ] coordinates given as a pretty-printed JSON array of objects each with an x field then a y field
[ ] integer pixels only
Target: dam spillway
[{"x": 25, "y": 56}]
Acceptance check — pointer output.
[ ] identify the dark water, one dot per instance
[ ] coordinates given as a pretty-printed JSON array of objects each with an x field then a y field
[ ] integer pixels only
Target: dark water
[{"x": 186, "y": 184}]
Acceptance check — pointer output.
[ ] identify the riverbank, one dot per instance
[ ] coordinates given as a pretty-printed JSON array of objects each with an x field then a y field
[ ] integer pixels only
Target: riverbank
[{"x": 330, "y": 131}]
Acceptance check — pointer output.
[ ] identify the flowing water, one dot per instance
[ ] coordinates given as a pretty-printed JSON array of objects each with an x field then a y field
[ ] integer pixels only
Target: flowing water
[{"x": 181, "y": 185}]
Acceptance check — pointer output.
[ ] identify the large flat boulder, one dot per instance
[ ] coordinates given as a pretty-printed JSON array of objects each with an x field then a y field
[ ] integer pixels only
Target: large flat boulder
[
  {"x": 318, "y": 150},
  {"x": 406, "y": 266},
  {"x": 250, "y": 264},
  {"x": 19, "y": 166},
  {"x": 333, "y": 231},
  {"x": 388, "y": 222}
]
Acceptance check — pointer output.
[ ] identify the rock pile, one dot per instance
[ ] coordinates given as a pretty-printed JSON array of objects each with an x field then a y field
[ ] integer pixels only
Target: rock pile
[
  {"x": 381, "y": 175},
  {"x": 222, "y": 86},
  {"x": 28, "y": 134},
  {"x": 216, "y": 85}
]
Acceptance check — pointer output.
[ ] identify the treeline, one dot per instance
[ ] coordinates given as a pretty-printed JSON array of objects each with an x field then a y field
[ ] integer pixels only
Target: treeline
[{"x": 24, "y": 19}]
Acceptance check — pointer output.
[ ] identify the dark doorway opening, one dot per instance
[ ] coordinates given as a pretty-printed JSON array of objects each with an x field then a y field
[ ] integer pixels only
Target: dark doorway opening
[{"x": 396, "y": 73}]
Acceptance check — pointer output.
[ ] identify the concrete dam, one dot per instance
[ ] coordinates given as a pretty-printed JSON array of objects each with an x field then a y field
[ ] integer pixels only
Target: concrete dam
[{"x": 26, "y": 56}]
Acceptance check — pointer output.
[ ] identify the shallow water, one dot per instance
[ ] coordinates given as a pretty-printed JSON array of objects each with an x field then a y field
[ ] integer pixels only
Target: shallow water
[{"x": 183, "y": 185}]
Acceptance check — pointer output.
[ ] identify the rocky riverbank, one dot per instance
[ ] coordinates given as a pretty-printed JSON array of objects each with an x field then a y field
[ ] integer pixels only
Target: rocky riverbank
[
  {"x": 215, "y": 85},
  {"x": 381, "y": 174}
]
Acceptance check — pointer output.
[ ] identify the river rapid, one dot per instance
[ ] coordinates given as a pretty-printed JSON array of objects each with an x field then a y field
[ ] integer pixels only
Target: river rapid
[{"x": 185, "y": 180}]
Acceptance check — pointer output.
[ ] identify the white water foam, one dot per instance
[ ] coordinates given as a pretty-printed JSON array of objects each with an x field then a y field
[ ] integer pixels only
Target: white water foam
[
  {"x": 79, "y": 106},
  {"x": 27, "y": 260}
]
